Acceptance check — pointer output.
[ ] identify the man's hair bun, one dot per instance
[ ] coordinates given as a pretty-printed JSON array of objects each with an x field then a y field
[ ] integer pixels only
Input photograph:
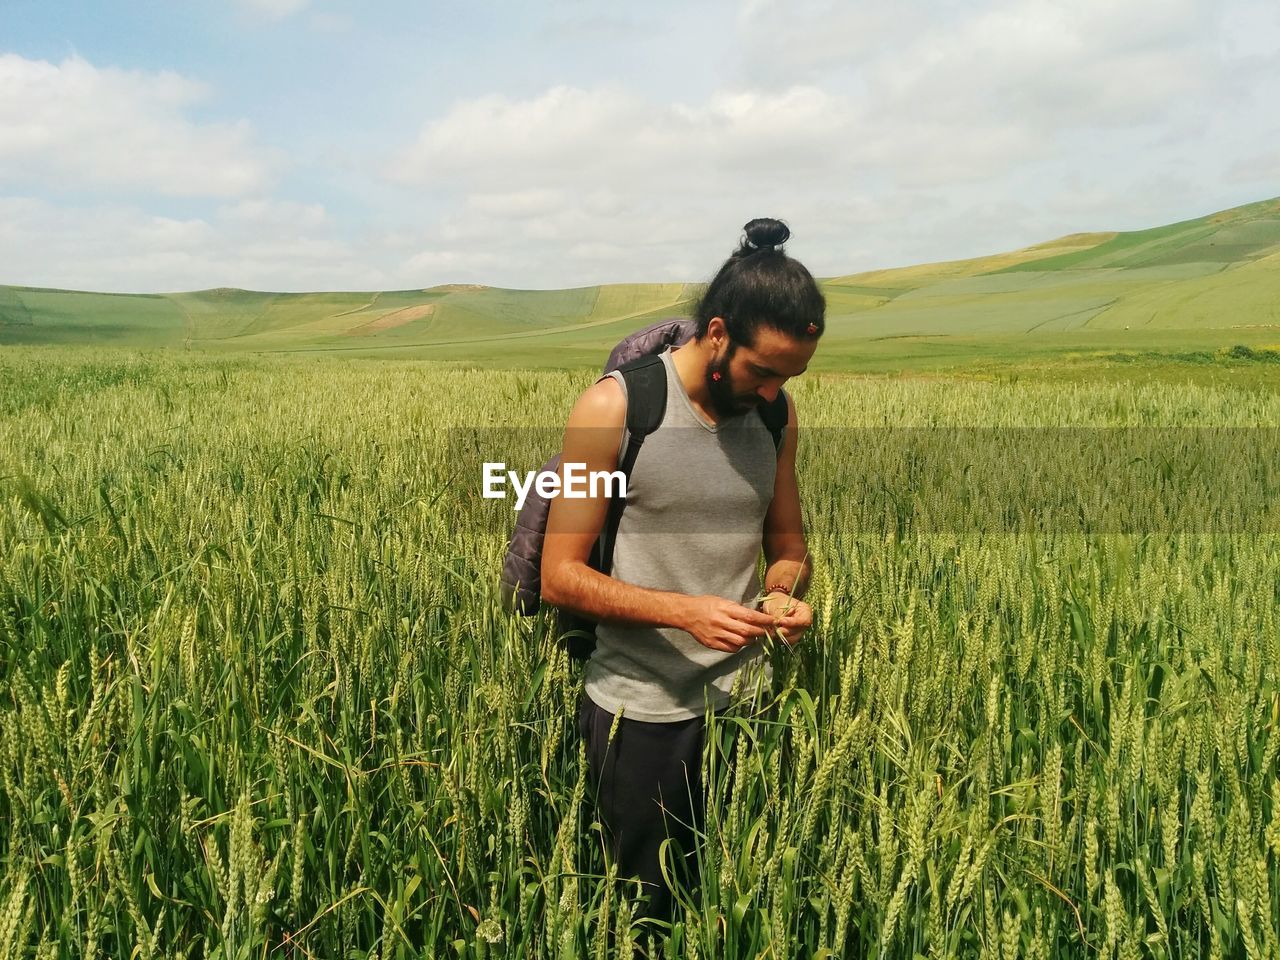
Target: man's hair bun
[{"x": 764, "y": 233}]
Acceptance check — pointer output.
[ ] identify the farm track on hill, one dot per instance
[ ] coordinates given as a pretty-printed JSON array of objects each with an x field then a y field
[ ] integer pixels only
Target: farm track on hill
[{"x": 514, "y": 335}]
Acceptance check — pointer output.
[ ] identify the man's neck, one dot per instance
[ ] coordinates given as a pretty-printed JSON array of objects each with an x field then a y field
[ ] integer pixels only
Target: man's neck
[{"x": 691, "y": 367}]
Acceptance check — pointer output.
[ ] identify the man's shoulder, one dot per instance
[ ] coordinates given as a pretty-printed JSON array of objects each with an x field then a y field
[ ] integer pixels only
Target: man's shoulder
[{"x": 603, "y": 404}]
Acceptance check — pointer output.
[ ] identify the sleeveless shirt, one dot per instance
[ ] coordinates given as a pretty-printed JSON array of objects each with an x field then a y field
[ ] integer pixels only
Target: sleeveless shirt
[{"x": 694, "y": 524}]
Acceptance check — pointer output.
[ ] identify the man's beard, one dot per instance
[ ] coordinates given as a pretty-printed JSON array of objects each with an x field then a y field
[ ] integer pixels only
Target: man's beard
[{"x": 724, "y": 400}]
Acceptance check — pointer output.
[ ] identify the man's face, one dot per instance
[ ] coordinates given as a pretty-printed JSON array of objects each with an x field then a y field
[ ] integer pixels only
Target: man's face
[{"x": 750, "y": 376}]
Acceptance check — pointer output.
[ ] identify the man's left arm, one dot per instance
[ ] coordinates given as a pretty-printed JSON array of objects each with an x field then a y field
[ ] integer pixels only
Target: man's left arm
[{"x": 786, "y": 552}]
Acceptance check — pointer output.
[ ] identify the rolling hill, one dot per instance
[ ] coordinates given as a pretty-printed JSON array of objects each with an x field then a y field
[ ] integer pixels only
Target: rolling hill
[{"x": 1177, "y": 290}]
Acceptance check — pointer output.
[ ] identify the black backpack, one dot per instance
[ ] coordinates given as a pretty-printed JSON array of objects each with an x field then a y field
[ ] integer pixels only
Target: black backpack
[{"x": 637, "y": 359}]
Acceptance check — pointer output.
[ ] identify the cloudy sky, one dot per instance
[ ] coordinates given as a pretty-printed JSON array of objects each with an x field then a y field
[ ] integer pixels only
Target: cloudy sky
[{"x": 312, "y": 144}]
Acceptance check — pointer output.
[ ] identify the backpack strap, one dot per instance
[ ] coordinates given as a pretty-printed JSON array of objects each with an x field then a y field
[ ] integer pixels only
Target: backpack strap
[
  {"x": 774, "y": 416},
  {"x": 646, "y": 382}
]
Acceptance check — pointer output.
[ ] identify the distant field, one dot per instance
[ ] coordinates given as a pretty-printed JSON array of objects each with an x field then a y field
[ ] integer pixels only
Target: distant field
[{"x": 1178, "y": 295}]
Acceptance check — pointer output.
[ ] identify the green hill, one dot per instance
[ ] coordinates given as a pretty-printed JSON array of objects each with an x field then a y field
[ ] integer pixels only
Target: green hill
[{"x": 1176, "y": 291}]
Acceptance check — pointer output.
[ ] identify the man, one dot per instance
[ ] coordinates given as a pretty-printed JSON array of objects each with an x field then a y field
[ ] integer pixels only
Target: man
[{"x": 676, "y": 618}]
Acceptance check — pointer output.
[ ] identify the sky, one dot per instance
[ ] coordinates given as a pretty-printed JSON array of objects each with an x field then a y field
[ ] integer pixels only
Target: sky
[{"x": 399, "y": 144}]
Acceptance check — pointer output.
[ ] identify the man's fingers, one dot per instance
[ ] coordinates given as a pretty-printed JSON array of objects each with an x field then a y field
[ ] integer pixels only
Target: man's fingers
[
  {"x": 744, "y": 626},
  {"x": 792, "y": 630},
  {"x": 750, "y": 631},
  {"x": 794, "y": 622},
  {"x": 748, "y": 623},
  {"x": 755, "y": 617}
]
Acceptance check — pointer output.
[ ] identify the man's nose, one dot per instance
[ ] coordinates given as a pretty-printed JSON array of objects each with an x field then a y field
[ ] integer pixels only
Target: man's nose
[{"x": 769, "y": 394}]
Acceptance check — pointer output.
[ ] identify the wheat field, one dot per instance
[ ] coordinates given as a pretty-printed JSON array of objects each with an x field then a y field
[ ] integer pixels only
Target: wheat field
[{"x": 260, "y": 699}]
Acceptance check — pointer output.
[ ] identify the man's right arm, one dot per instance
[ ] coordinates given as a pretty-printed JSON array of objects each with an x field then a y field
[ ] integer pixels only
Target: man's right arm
[{"x": 592, "y": 437}]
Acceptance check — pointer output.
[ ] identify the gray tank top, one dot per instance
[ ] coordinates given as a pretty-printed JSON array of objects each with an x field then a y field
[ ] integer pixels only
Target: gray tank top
[{"x": 694, "y": 522}]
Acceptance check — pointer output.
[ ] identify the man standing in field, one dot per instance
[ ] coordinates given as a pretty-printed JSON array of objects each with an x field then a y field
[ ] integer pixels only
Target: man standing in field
[{"x": 677, "y": 620}]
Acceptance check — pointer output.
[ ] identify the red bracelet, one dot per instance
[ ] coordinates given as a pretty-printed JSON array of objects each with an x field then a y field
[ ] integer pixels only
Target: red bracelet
[{"x": 780, "y": 589}]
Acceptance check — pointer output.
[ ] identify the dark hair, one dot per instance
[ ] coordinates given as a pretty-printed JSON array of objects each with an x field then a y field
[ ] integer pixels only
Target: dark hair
[{"x": 760, "y": 284}]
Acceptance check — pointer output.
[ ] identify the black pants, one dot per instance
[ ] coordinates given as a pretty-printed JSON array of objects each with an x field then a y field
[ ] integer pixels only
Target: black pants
[{"x": 648, "y": 786}]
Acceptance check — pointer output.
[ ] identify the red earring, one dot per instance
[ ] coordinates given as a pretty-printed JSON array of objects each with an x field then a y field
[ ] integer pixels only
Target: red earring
[
  {"x": 813, "y": 328},
  {"x": 715, "y": 375}
]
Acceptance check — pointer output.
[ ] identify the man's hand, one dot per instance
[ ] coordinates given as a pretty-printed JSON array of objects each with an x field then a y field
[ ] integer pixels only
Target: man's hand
[
  {"x": 793, "y": 617},
  {"x": 722, "y": 624}
]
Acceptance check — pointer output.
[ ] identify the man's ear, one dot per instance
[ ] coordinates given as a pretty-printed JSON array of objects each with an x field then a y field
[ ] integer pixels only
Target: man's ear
[{"x": 716, "y": 329}]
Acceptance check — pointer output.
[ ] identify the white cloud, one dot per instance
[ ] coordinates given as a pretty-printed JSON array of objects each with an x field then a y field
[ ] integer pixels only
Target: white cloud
[
  {"x": 609, "y": 139},
  {"x": 331, "y": 23},
  {"x": 518, "y": 204},
  {"x": 260, "y": 245},
  {"x": 494, "y": 135},
  {"x": 1048, "y": 64},
  {"x": 274, "y": 9},
  {"x": 884, "y": 133},
  {"x": 554, "y": 181},
  {"x": 1262, "y": 169},
  {"x": 73, "y": 125},
  {"x": 274, "y": 214},
  {"x": 459, "y": 266},
  {"x": 1038, "y": 70}
]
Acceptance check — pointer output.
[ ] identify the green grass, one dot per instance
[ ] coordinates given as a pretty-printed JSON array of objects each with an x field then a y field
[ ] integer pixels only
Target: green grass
[
  {"x": 259, "y": 698},
  {"x": 221, "y": 314},
  {"x": 1246, "y": 232},
  {"x": 32, "y": 315}
]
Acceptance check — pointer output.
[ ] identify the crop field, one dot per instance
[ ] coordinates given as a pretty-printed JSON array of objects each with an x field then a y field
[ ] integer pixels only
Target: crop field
[{"x": 260, "y": 699}]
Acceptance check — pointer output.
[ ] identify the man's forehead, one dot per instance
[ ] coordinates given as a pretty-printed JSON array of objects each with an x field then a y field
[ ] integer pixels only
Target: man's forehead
[{"x": 783, "y": 354}]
